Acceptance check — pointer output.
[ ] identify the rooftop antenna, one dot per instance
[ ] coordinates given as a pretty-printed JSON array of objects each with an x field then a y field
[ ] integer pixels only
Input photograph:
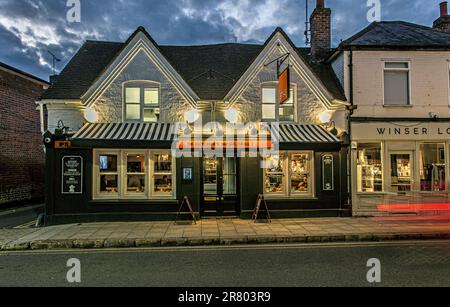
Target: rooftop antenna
[
  {"x": 307, "y": 26},
  {"x": 55, "y": 59}
]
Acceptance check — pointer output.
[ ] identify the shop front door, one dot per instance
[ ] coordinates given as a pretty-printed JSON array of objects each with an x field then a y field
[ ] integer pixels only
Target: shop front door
[
  {"x": 220, "y": 197},
  {"x": 401, "y": 171}
]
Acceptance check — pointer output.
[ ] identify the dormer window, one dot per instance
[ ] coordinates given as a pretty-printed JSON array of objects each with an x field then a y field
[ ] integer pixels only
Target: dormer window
[{"x": 142, "y": 102}]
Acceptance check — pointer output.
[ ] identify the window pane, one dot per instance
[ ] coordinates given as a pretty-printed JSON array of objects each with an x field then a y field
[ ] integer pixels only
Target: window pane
[
  {"x": 163, "y": 184},
  {"x": 151, "y": 96},
  {"x": 432, "y": 167},
  {"x": 287, "y": 114},
  {"x": 133, "y": 95},
  {"x": 396, "y": 88},
  {"x": 136, "y": 184},
  {"x": 269, "y": 111},
  {"x": 300, "y": 172},
  {"x": 108, "y": 163},
  {"x": 229, "y": 176},
  {"x": 109, "y": 184},
  {"x": 291, "y": 99},
  {"x": 397, "y": 65},
  {"x": 369, "y": 168},
  {"x": 274, "y": 179},
  {"x": 269, "y": 95},
  {"x": 162, "y": 163},
  {"x": 136, "y": 163},
  {"x": 133, "y": 112},
  {"x": 151, "y": 115}
]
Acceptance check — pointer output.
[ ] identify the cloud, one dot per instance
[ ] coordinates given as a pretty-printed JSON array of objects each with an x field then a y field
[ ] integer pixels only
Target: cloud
[{"x": 31, "y": 27}]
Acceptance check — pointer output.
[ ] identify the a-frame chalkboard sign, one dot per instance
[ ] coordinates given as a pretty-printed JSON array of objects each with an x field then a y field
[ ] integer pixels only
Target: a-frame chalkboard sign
[
  {"x": 261, "y": 212},
  {"x": 186, "y": 210}
]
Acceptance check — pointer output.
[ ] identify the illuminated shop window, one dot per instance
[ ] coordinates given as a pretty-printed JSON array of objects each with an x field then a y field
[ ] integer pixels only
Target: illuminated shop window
[
  {"x": 124, "y": 174},
  {"x": 432, "y": 168},
  {"x": 369, "y": 168},
  {"x": 290, "y": 175}
]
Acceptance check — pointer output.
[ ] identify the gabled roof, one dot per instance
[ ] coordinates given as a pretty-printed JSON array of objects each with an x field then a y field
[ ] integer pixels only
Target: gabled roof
[
  {"x": 24, "y": 74},
  {"x": 398, "y": 34},
  {"x": 210, "y": 70}
]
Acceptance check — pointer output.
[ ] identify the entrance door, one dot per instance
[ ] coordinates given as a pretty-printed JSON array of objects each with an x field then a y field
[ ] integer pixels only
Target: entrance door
[
  {"x": 220, "y": 177},
  {"x": 401, "y": 171}
]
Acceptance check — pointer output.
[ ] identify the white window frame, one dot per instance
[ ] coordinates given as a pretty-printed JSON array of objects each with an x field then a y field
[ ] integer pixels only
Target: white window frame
[
  {"x": 384, "y": 168},
  {"x": 274, "y": 85},
  {"x": 122, "y": 175},
  {"x": 142, "y": 85},
  {"x": 409, "y": 70},
  {"x": 287, "y": 177}
]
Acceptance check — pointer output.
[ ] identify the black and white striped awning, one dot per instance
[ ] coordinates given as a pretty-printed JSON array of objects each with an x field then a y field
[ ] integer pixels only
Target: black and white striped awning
[
  {"x": 296, "y": 133},
  {"x": 157, "y": 132}
]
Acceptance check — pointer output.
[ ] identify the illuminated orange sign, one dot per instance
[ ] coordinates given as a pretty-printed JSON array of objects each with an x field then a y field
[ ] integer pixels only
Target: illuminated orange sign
[
  {"x": 284, "y": 86},
  {"x": 63, "y": 144},
  {"x": 244, "y": 144}
]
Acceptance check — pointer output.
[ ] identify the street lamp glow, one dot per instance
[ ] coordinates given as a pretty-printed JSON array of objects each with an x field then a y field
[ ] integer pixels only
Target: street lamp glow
[
  {"x": 191, "y": 116},
  {"x": 325, "y": 117},
  {"x": 232, "y": 116}
]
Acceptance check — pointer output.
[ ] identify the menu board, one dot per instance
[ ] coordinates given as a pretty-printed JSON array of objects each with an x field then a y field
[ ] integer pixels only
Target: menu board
[
  {"x": 72, "y": 175},
  {"x": 328, "y": 172}
]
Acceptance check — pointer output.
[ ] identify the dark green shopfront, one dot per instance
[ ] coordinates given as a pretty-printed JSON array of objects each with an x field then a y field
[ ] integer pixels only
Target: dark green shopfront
[{"x": 129, "y": 172}]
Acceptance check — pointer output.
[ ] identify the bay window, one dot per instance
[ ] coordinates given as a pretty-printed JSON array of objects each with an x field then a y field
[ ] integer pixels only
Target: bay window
[
  {"x": 289, "y": 174},
  {"x": 130, "y": 174},
  {"x": 141, "y": 102}
]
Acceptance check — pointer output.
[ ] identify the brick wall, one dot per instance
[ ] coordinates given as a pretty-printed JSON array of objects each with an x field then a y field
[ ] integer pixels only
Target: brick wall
[
  {"x": 320, "y": 32},
  {"x": 21, "y": 151}
]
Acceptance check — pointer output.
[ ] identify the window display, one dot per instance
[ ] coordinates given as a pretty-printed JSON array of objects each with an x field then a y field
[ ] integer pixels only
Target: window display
[
  {"x": 432, "y": 167},
  {"x": 108, "y": 174},
  {"x": 297, "y": 166},
  {"x": 401, "y": 172},
  {"x": 369, "y": 168},
  {"x": 136, "y": 173},
  {"x": 162, "y": 174}
]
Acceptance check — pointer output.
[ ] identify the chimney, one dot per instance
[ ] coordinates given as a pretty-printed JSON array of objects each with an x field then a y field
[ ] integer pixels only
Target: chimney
[
  {"x": 443, "y": 22},
  {"x": 320, "y": 31}
]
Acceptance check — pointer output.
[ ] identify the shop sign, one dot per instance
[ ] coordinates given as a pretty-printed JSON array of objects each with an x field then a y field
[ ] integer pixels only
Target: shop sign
[
  {"x": 328, "y": 172},
  {"x": 72, "y": 175},
  {"x": 401, "y": 131},
  {"x": 284, "y": 86}
]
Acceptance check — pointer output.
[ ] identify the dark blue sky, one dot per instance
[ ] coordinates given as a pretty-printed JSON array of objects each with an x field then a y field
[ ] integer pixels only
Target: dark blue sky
[{"x": 28, "y": 28}]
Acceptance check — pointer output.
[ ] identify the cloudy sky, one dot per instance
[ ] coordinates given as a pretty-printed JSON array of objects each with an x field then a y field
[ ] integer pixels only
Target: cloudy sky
[{"x": 28, "y": 28}]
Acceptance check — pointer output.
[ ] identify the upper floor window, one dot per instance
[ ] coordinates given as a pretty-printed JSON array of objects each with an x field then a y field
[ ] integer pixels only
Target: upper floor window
[
  {"x": 142, "y": 102},
  {"x": 397, "y": 90},
  {"x": 272, "y": 112}
]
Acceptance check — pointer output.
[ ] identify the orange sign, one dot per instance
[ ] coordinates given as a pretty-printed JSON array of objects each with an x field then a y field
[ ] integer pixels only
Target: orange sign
[
  {"x": 244, "y": 144},
  {"x": 284, "y": 86},
  {"x": 63, "y": 145}
]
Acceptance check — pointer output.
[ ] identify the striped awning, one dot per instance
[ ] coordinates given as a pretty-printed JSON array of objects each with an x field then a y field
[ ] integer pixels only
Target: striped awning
[
  {"x": 295, "y": 133},
  {"x": 157, "y": 132}
]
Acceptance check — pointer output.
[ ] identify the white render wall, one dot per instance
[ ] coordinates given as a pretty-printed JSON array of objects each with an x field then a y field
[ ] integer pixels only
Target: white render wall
[{"x": 429, "y": 83}]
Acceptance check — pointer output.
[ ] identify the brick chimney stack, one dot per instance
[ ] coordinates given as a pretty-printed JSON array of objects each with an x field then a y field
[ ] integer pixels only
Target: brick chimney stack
[
  {"x": 320, "y": 31},
  {"x": 443, "y": 22}
]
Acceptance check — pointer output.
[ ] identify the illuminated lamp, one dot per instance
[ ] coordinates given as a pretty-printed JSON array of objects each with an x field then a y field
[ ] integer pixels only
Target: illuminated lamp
[
  {"x": 191, "y": 116},
  {"x": 232, "y": 116},
  {"x": 91, "y": 115}
]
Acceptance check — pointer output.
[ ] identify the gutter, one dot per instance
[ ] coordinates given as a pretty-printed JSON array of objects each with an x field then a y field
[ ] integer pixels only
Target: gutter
[{"x": 351, "y": 112}]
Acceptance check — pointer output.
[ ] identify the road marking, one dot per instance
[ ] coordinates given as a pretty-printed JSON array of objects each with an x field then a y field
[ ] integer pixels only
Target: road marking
[{"x": 229, "y": 248}]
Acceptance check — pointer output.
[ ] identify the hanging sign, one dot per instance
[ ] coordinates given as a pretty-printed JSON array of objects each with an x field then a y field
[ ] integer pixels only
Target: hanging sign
[
  {"x": 284, "y": 81},
  {"x": 328, "y": 172},
  {"x": 72, "y": 175}
]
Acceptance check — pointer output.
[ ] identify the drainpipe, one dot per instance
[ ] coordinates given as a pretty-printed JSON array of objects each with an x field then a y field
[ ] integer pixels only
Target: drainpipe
[{"x": 351, "y": 109}]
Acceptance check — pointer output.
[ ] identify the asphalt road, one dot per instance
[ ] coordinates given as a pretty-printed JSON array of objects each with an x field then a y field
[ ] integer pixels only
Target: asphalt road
[
  {"x": 402, "y": 264},
  {"x": 20, "y": 217}
]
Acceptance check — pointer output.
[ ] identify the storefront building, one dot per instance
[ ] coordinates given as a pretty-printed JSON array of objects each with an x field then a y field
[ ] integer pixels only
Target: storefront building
[
  {"x": 396, "y": 76},
  {"x": 115, "y": 139}
]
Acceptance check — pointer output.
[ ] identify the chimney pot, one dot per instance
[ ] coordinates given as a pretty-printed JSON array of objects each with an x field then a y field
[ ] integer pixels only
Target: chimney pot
[
  {"x": 444, "y": 9},
  {"x": 320, "y": 4}
]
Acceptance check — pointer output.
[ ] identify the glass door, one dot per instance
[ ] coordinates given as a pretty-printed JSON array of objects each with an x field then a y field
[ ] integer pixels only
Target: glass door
[{"x": 401, "y": 167}]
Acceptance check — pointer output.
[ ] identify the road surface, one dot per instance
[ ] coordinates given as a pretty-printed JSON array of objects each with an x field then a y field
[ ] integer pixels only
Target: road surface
[{"x": 402, "y": 264}]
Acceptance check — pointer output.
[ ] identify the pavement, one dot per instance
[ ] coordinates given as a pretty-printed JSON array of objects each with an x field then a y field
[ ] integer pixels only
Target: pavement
[
  {"x": 223, "y": 232},
  {"x": 20, "y": 217}
]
